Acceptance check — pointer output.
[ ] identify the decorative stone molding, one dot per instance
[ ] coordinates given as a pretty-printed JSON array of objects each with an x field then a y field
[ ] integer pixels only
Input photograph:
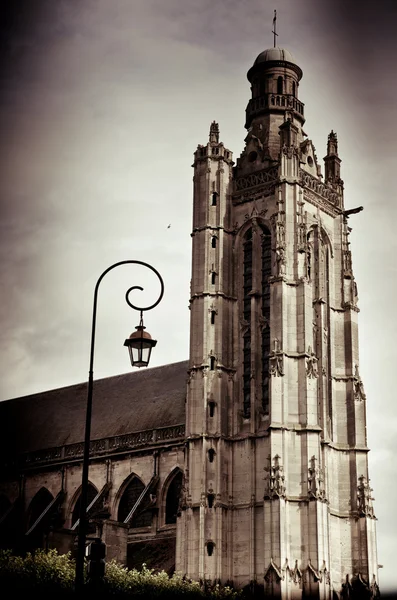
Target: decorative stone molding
[
  {"x": 358, "y": 587},
  {"x": 98, "y": 448},
  {"x": 267, "y": 176},
  {"x": 324, "y": 190},
  {"x": 273, "y": 573}
]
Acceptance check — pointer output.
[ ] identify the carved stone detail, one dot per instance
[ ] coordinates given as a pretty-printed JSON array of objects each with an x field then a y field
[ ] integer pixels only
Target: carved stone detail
[
  {"x": 273, "y": 573},
  {"x": 275, "y": 479},
  {"x": 324, "y": 190},
  {"x": 315, "y": 481},
  {"x": 359, "y": 393},
  {"x": 364, "y": 498},
  {"x": 267, "y": 176},
  {"x": 276, "y": 361},
  {"x": 311, "y": 364}
]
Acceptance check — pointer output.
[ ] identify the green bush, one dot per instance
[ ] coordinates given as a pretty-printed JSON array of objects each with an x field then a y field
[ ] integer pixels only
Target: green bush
[{"x": 52, "y": 576}]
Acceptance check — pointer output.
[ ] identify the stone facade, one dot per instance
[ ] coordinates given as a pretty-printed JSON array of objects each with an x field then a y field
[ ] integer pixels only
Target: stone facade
[
  {"x": 276, "y": 469},
  {"x": 260, "y": 479}
]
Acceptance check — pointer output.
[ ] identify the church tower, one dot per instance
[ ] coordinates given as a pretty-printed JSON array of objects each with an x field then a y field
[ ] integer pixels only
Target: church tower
[{"x": 276, "y": 491}]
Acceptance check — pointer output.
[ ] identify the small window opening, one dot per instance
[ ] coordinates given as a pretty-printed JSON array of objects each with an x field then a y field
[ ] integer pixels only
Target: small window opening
[
  {"x": 210, "y": 499},
  {"x": 293, "y": 88},
  {"x": 212, "y": 363},
  {"x": 212, "y": 410},
  {"x": 213, "y": 313},
  {"x": 214, "y": 242},
  {"x": 227, "y": 154},
  {"x": 279, "y": 85},
  {"x": 214, "y": 195},
  {"x": 213, "y": 278},
  {"x": 211, "y": 455},
  {"x": 210, "y": 548}
]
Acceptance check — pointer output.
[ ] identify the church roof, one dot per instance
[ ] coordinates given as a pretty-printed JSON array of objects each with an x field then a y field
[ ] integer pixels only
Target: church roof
[{"x": 137, "y": 401}]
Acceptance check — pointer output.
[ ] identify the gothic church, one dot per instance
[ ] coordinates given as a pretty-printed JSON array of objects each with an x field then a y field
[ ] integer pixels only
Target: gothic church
[{"x": 248, "y": 463}]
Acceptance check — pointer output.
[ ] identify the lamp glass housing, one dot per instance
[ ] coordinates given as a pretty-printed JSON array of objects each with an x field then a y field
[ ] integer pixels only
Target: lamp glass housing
[{"x": 140, "y": 346}]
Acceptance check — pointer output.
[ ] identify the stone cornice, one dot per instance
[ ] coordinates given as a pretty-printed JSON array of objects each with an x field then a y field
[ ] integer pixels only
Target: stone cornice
[
  {"x": 213, "y": 295},
  {"x": 212, "y": 228},
  {"x": 99, "y": 449},
  {"x": 344, "y": 447}
]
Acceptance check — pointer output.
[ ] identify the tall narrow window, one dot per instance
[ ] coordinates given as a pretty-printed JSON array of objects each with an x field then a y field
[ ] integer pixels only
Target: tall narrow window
[
  {"x": 210, "y": 548},
  {"x": 213, "y": 241},
  {"x": 293, "y": 88},
  {"x": 211, "y": 455},
  {"x": 214, "y": 197},
  {"x": 211, "y": 406},
  {"x": 266, "y": 273},
  {"x": 247, "y": 288},
  {"x": 91, "y": 493},
  {"x": 172, "y": 501},
  {"x": 141, "y": 518},
  {"x": 210, "y": 500},
  {"x": 213, "y": 278},
  {"x": 213, "y": 317},
  {"x": 279, "y": 85},
  {"x": 212, "y": 363}
]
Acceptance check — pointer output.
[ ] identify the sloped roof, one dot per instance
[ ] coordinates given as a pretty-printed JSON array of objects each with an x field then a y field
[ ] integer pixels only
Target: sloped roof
[{"x": 146, "y": 399}]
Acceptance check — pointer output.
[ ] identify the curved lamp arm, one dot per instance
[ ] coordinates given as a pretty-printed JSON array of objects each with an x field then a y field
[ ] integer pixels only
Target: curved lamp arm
[{"x": 79, "y": 581}]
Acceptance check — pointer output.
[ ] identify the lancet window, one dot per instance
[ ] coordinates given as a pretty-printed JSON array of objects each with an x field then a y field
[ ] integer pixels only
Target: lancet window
[
  {"x": 257, "y": 262},
  {"x": 172, "y": 501},
  {"x": 142, "y": 518}
]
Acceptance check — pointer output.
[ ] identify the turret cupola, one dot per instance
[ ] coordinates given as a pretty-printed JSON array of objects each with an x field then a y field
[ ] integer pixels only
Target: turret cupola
[{"x": 274, "y": 79}]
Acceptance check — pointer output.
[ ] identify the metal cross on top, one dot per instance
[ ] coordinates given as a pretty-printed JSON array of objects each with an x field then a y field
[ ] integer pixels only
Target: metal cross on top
[{"x": 274, "y": 28}]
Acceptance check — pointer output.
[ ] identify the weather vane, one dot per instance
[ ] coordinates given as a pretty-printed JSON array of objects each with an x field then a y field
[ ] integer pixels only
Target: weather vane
[{"x": 274, "y": 28}]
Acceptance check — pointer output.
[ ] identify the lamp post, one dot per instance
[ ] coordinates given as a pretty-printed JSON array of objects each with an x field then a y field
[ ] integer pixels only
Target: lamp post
[{"x": 140, "y": 345}]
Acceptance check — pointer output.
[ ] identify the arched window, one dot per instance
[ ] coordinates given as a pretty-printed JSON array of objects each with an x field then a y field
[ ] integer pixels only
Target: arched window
[
  {"x": 213, "y": 241},
  {"x": 210, "y": 500},
  {"x": 172, "y": 500},
  {"x": 37, "y": 536},
  {"x": 213, "y": 278},
  {"x": 39, "y": 503},
  {"x": 280, "y": 85},
  {"x": 266, "y": 273},
  {"x": 91, "y": 493},
  {"x": 142, "y": 518},
  {"x": 211, "y": 455},
  {"x": 214, "y": 198}
]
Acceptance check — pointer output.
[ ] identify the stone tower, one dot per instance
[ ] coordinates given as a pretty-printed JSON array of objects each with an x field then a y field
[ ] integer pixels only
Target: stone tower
[{"x": 276, "y": 490}]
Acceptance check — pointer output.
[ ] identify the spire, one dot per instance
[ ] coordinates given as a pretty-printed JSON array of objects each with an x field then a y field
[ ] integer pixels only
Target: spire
[
  {"x": 214, "y": 132},
  {"x": 332, "y": 145},
  {"x": 332, "y": 160},
  {"x": 274, "y": 28}
]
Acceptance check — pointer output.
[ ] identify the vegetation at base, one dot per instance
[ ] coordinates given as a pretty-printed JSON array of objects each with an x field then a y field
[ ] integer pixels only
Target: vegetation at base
[{"x": 51, "y": 575}]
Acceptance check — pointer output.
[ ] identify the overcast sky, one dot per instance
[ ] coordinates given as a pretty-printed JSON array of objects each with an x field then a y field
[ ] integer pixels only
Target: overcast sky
[{"x": 102, "y": 105}]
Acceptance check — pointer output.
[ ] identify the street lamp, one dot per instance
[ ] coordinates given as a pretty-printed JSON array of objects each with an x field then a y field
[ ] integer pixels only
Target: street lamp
[{"x": 140, "y": 344}]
